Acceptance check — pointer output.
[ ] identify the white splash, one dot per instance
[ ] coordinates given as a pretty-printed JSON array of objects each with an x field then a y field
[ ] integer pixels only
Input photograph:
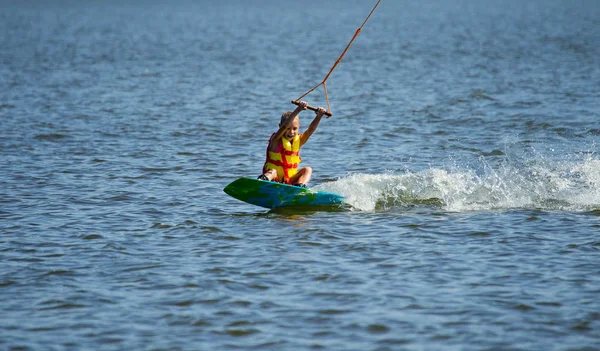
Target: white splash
[{"x": 572, "y": 185}]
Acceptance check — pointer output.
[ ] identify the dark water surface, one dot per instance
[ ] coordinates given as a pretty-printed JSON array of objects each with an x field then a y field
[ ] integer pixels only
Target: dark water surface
[{"x": 465, "y": 138}]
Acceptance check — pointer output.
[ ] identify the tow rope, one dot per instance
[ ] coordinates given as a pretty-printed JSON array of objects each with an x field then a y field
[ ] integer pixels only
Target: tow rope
[{"x": 324, "y": 82}]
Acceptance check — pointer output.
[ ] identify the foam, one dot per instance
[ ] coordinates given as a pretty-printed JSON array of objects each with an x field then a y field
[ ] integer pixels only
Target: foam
[{"x": 539, "y": 183}]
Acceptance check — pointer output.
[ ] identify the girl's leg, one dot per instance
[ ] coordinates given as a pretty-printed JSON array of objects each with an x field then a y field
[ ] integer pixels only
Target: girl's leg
[
  {"x": 302, "y": 177},
  {"x": 270, "y": 174}
]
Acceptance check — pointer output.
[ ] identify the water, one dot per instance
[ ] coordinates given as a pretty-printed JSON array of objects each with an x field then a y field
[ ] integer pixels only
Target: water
[{"x": 464, "y": 137}]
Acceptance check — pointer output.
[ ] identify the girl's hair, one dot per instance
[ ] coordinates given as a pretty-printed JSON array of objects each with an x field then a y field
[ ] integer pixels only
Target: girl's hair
[{"x": 284, "y": 115}]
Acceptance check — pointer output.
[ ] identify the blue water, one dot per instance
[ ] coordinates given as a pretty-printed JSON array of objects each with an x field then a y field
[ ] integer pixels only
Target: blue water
[{"x": 464, "y": 138}]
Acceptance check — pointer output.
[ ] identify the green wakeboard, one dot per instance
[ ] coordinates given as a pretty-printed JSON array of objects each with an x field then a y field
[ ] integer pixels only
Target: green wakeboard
[{"x": 275, "y": 195}]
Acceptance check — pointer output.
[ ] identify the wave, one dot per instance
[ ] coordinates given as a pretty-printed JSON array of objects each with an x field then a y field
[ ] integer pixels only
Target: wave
[{"x": 568, "y": 185}]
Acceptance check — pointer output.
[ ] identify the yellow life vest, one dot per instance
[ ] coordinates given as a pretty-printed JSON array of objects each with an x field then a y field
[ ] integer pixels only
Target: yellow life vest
[{"x": 284, "y": 159}]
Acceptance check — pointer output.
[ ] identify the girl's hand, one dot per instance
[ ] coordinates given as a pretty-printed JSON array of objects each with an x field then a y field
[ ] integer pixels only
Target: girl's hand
[
  {"x": 320, "y": 111},
  {"x": 303, "y": 105}
]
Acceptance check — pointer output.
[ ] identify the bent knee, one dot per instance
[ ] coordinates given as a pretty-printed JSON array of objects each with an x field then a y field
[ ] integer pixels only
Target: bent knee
[{"x": 271, "y": 174}]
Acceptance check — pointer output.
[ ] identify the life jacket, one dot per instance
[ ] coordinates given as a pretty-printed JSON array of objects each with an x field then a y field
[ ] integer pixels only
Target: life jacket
[{"x": 284, "y": 159}]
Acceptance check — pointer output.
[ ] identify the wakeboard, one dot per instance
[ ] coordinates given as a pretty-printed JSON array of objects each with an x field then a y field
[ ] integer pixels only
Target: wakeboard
[{"x": 275, "y": 195}]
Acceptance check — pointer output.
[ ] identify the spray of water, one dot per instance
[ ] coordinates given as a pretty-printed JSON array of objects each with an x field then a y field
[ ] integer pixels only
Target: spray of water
[{"x": 539, "y": 183}]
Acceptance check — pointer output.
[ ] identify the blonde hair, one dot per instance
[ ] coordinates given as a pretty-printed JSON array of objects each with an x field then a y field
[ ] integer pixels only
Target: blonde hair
[{"x": 284, "y": 116}]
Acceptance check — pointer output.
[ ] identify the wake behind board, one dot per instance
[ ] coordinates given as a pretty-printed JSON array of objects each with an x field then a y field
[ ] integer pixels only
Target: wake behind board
[{"x": 275, "y": 195}]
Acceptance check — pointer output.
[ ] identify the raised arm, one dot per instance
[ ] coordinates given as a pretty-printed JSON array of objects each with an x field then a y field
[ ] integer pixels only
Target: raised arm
[{"x": 313, "y": 125}]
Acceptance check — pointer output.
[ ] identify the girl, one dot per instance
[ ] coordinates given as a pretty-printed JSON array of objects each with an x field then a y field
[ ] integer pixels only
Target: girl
[{"x": 283, "y": 151}]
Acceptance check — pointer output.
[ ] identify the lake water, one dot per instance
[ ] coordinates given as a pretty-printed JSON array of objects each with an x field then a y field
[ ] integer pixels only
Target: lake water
[{"x": 465, "y": 138}]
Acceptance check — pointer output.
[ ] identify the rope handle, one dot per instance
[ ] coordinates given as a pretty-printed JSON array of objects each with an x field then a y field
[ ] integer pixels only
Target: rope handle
[{"x": 312, "y": 108}]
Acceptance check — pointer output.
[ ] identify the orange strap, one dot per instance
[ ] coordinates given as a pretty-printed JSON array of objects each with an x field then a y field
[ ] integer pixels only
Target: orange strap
[{"x": 324, "y": 82}]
